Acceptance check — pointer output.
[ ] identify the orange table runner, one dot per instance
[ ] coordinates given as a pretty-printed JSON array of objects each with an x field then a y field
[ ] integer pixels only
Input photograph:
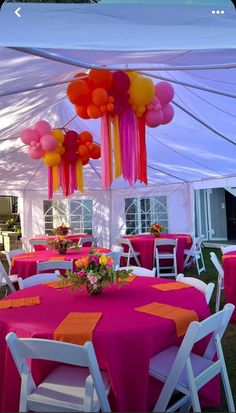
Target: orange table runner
[
  {"x": 224, "y": 257},
  {"x": 181, "y": 316},
  {"x": 56, "y": 284},
  {"x": 58, "y": 258},
  {"x": 22, "y": 256},
  {"x": 171, "y": 286},
  {"x": 19, "y": 302},
  {"x": 77, "y": 328}
]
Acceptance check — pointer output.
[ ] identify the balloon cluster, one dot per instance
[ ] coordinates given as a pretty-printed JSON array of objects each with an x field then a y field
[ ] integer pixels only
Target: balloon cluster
[
  {"x": 159, "y": 111},
  {"x": 104, "y": 91},
  {"x": 54, "y": 146}
]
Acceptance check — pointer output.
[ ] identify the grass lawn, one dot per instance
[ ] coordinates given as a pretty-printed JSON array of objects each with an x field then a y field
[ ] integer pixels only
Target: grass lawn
[{"x": 229, "y": 340}]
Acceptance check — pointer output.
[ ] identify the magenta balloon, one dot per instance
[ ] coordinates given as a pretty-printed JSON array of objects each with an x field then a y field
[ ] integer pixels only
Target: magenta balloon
[
  {"x": 70, "y": 156},
  {"x": 35, "y": 153},
  {"x": 48, "y": 143},
  {"x": 165, "y": 92},
  {"x": 28, "y": 135},
  {"x": 120, "y": 82},
  {"x": 168, "y": 114},
  {"x": 43, "y": 127},
  {"x": 153, "y": 119},
  {"x": 71, "y": 139}
]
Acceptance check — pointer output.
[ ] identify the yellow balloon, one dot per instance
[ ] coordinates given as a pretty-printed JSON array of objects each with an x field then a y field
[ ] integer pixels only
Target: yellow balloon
[
  {"x": 52, "y": 158},
  {"x": 141, "y": 91},
  {"x": 57, "y": 133},
  {"x": 60, "y": 148}
]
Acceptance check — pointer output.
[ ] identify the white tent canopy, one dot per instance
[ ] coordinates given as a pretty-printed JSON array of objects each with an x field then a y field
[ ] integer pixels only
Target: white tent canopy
[{"x": 197, "y": 149}]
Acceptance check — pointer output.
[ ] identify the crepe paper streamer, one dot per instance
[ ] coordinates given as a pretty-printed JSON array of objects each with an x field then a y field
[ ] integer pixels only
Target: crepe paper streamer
[
  {"x": 50, "y": 183},
  {"x": 142, "y": 175},
  {"x": 55, "y": 178},
  {"x": 116, "y": 140},
  {"x": 105, "y": 152},
  {"x": 110, "y": 147},
  {"x": 66, "y": 191},
  {"x": 79, "y": 175}
]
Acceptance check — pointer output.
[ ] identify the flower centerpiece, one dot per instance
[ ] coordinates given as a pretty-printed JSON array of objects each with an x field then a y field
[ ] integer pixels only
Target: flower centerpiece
[
  {"x": 155, "y": 229},
  {"x": 95, "y": 270},
  {"x": 60, "y": 244},
  {"x": 61, "y": 230}
]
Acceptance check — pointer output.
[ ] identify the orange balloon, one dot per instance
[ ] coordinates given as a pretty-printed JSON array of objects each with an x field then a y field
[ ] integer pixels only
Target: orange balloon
[
  {"x": 84, "y": 160},
  {"x": 78, "y": 92},
  {"x": 101, "y": 77},
  {"x": 91, "y": 148},
  {"x": 83, "y": 150},
  {"x": 81, "y": 74},
  {"x": 96, "y": 152},
  {"x": 111, "y": 99},
  {"x": 82, "y": 111},
  {"x": 103, "y": 108},
  {"x": 110, "y": 107},
  {"x": 93, "y": 111},
  {"x": 85, "y": 137},
  {"x": 99, "y": 96}
]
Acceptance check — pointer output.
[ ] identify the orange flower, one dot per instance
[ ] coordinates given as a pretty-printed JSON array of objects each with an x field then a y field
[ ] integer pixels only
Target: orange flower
[{"x": 61, "y": 238}]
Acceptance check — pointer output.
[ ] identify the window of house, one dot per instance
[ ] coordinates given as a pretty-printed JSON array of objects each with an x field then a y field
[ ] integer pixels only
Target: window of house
[
  {"x": 140, "y": 213},
  {"x": 76, "y": 214}
]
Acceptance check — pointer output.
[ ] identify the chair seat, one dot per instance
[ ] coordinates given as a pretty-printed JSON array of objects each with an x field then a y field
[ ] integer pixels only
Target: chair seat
[
  {"x": 64, "y": 390},
  {"x": 162, "y": 362},
  {"x": 126, "y": 254},
  {"x": 13, "y": 279}
]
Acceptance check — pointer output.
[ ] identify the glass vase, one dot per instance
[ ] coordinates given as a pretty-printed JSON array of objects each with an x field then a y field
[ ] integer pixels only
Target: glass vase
[
  {"x": 62, "y": 249},
  {"x": 93, "y": 289}
]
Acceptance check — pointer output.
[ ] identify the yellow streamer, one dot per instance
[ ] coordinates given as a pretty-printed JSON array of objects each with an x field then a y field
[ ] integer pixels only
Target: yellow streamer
[
  {"x": 79, "y": 175},
  {"x": 55, "y": 178},
  {"x": 117, "y": 147},
  {"x": 110, "y": 148}
]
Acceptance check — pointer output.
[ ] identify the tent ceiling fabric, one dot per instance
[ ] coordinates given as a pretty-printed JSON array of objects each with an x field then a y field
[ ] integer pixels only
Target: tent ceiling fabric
[{"x": 184, "y": 150}]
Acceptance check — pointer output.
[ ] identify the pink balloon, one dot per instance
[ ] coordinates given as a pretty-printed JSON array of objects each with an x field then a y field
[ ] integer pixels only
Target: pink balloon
[
  {"x": 35, "y": 153},
  {"x": 165, "y": 92},
  {"x": 43, "y": 127},
  {"x": 154, "y": 119},
  {"x": 150, "y": 106},
  {"x": 29, "y": 135},
  {"x": 168, "y": 114},
  {"x": 48, "y": 143}
]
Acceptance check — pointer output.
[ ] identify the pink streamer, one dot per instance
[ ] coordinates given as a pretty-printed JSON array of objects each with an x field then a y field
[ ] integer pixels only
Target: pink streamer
[
  {"x": 50, "y": 185},
  {"x": 129, "y": 145},
  {"x": 73, "y": 178},
  {"x": 105, "y": 153}
]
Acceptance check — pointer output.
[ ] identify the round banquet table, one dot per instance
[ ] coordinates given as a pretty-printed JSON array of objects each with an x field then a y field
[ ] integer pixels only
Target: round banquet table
[
  {"x": 124, "y": 339},
  {"x": 145, "y": 245},
  {"x": 25, "y": 265},
  {"x": 71, "y": 237},
  {"x": 229, "y": 266}
]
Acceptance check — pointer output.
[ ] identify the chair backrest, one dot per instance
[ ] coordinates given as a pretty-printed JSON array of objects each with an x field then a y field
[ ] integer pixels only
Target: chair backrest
[
  {"x": 172, "y": 242},
  {"x": 140, "y": 271},
  {"x": 116, "y": 258},
  {"x": 83, "y": 356},
  {"x": 13, "y": 253},
  {"x": 117, "y": 248},
  {"x": 84, "y": 240},
  {"x": 54, "y": 265},
  {"x": 38, "y": 242},
  {"x": 38, "y": 279},
  {"x": 206, "y": 289},
  {"x": 4, "y": 278},
  {"x": 25, "y": 244},
  {"x": 217, "y": 264},
  {"x": 229, "y": 248},
  {"x": 216, "y": 325}
]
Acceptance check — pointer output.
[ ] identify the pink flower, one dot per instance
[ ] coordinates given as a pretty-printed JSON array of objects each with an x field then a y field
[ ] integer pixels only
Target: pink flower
[
  {"x": 93, "y": 279},
  {"x": 81, "y": 274},
  {"x": 109, "y": 264}
]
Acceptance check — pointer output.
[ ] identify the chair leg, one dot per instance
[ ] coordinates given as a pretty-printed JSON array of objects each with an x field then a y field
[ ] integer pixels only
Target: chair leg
[
  {"x": 157, "y": 264},
  {"x": 225, "y": 379},
  {"x": 137, "y": 260},
  {"x": 218, "y": 294}
]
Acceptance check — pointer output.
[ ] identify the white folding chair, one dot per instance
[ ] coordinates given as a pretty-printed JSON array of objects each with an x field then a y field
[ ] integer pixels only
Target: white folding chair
[
  {"x": 91, "y": 240},
  {"x": 34, "y": 242},
  {"x": 162, "y": 255},
  {"x": 54, "y": 265},
  {"x": 7, "y": 280},
  {"x": 13, "y": 253},
  {"x": 25, "y": 244},
  {"x": 130, "y": 253},
  {"x": 116, "y": 258},
  {"x": 220, "y": 282},
  {"x": 38, "y": 279},
  {"x": 76, "y": 386},
  {"x": 194, "y": 254},
  {"x": 116, "y": 248},
  {"x": 229, "y": 248},
  {"x": 206, "y": 289},
  {"x": 140, "y": 271},
  {"x": 182, "y": 370}
]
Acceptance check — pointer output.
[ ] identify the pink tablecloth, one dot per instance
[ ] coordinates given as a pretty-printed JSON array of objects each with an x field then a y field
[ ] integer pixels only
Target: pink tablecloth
[
  {"x": 27, "y": 266},
  {"x": 145, "y": 245},
  {"x": 72, "y": 237},
  {"x": 124, "y": 339},
  {"x": 229, "y": 265}
]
